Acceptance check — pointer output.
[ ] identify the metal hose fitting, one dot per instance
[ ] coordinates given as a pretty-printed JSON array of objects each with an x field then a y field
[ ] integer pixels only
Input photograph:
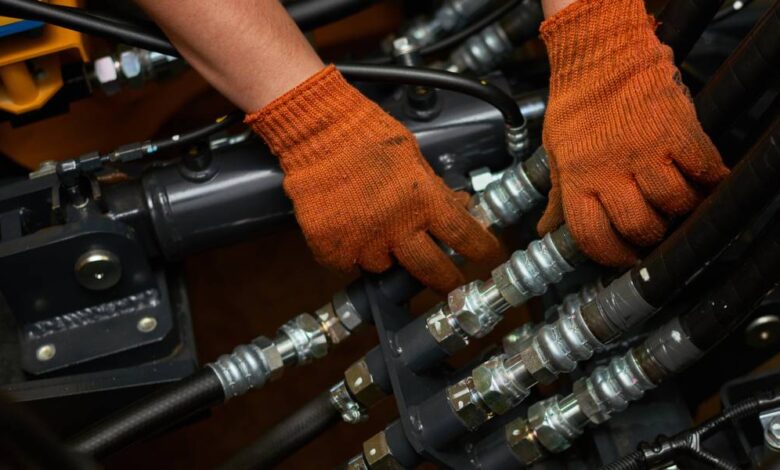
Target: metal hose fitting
[
  {"x": 482, "y": 52},
  {"x": 529, "y": 272},
  {"x": 351, "y": 411},
  {"x": 248, "y": 366},
  {"x": 506, "y": 199},
  {"x": 452, "y": 15},
  {"x": 556, "y": 422}
]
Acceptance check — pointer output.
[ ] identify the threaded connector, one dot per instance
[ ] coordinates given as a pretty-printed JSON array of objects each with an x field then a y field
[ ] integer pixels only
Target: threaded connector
[{"x": 248, "y": 366}]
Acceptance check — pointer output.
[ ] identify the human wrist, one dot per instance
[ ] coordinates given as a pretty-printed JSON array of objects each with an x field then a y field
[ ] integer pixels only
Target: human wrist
[{"x": 551, "y": 7}]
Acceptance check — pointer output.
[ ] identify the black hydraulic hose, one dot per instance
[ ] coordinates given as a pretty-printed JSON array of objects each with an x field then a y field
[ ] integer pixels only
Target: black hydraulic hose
[
  {"x": 744, "y": 77},
  {"x": 683, "y": 21},
  {"x": 150, "y": 414},
  {"x": 287, "y": 436},
  {"x": 26, "y": 439},
  {"x": 721, "y": 310},
  {"x": 437, "y": 79},
  {"x": 82, "y": 21},
  {"x": 731, "y": 10},
  {"x": 751, "y": 185},
  {"x": 310, "y": 14},
  {"x": 663, "y": 449}
]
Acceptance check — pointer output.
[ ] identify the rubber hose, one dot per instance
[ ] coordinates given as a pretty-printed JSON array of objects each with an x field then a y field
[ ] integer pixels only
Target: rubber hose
[
  {"x": 150, "y": 414},
  {"x": 287, "y": 436},
  {"x": 310, "y": 14},
  {"x": 632, "y": 461},
  {"x": 682, "y": 22},
  {"x": 437, "y": 79},
  {"x": 720, "y": 310},
  {"x": 522, "y": 23},
  {"x": 743, "y": 77},
  {"x": 721, "y": 216}
]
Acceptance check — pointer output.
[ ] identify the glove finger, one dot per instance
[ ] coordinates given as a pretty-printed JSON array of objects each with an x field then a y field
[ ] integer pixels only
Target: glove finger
[
  {"x": 553, "y": 213},
  {"x": 424, "y": 260},
  {"x": 463, "y": 198},
  {"x": 455, "y": 227},
  {"x": 590, "y": 226},
  {"x": 631, "y": 214},
  {"x": 666, "y": 189},
  {"x": 375, "y": 257},
  {"x": 701, "y": 162}
]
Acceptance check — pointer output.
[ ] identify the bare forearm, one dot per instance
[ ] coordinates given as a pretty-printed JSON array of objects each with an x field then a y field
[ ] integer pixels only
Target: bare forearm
[
  {"x": 551, "y": 7},
  {"x": 250, "y": 50}
]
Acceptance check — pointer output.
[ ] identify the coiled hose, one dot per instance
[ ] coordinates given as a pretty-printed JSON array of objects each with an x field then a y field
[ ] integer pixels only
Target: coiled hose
[
  {"x": 150, "y": 414},
  {"x": 287, "y": 436}
]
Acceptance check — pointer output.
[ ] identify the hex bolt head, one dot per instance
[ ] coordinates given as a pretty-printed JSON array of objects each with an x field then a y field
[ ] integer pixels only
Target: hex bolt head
[
  {"x": 45, "y": 352},
  {"x": 772, "y": 435}
]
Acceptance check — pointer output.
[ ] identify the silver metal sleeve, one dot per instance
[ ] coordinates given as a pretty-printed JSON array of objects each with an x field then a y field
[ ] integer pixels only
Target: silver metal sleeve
[
  {"x": 248, "y": 366},
  {"x": 529, "y": 272},
  {"x": 505, "y": 200}
]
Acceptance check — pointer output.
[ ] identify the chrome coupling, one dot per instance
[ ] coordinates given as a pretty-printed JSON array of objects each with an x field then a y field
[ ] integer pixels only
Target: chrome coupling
[
  {"x": 506, "y": 199},
  {"x": 476, "y": 307},
  {"x": 309, "y": 340},
  {"x": 482, "y": 52},
  {"x": 467, "y": 405},
  {"x": 342, "y": 400},
  {"x": 495, "y": 385},
  {"x": 443, "y": 327},
  {"x": 248, "y": 366},
  {"x": 528, "y": 272}
]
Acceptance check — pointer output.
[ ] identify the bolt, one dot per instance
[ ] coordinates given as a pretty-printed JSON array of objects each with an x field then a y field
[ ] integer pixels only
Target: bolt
[
  {"x": 147, "y": 324},
  {"x": 45, "y": 352},
  {"x": 98, "y": 270},
  {"x": 762, "y": 332},
  {"x": 772, "y": 434}
]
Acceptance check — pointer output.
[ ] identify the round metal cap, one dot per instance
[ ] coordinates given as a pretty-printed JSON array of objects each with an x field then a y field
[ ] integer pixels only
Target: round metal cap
[{"x": 98, "y": 269}]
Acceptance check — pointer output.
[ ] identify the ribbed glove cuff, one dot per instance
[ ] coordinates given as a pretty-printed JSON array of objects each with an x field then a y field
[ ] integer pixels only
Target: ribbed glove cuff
[
  {"x": 323, "y": 105},
  {"x": 592, "y": 34}
]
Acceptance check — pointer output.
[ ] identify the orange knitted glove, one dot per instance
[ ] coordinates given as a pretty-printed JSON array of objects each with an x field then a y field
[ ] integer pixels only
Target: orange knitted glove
[
  {"x": 621, "y": 131},
  {"x": 362, "y": 190}
]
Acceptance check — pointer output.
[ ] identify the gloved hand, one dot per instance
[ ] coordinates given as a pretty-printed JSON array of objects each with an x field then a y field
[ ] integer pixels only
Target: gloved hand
[
  {"x": 625, "y": 145},
  {"x": 361, "y": 189}
]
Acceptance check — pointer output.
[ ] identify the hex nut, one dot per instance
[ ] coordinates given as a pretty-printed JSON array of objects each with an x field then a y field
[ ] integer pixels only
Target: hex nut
[
  {"x": 463, "y": 402},
  {"x": 273, "y": 359},
  {"x": 517, "y": 339},
  {"x": 487, "y": 383},
  {"x": 106, "y": 73},
  {"x": 377, "y": 453},
  {"x": 535, "y": 364},
  {"x": 522, "y": 440},
  {"x": 346, "y": 311},
  {"x": 470, "y": 311},
  {"x": 362, "y": 385},
  {"x": 357, "y": 463},
  {"x": 590, "y": 406},
  {"x": 440, "y": 328},
  {"x": 130, "y": 64},
  {"x": 307, "y": 336},
  {"x": 335, "y": 331},
  {"x": 481, "y": 178},
  {"x": 540, "y": 417}
]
